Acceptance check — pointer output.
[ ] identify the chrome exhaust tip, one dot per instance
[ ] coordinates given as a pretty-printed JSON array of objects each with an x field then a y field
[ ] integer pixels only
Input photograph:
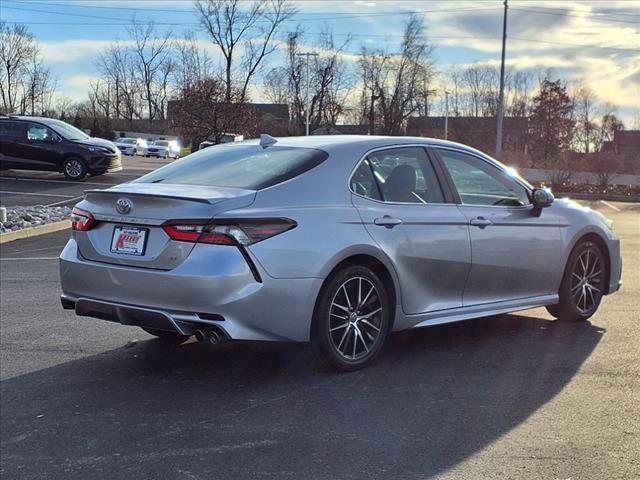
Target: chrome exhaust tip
[
  {"x": 213, "y": 337},
  {"x": 208, "y": 336}
]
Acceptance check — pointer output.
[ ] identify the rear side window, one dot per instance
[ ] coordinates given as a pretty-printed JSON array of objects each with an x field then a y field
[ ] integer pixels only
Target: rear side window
[
  {"x": 405, "y": 175},
  {"x": 14, "y": 130},
  {"x": 238, "y": 166},
  {"x": 363, "y": 183}
]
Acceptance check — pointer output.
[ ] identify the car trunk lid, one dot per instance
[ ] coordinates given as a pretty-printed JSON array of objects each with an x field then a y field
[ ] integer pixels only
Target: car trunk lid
[{"x": 129, "y": 218}]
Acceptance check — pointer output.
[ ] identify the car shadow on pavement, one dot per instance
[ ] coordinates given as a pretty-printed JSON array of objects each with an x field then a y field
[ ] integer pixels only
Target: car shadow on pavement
[{"x": 247, "y": 410}]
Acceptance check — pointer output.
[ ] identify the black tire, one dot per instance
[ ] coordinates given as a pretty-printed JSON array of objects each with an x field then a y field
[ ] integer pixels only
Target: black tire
[
  {"x": 583, "y": 284},
  {"x": 352, "y": 315},
  {"x": 165, "y": 335},
  {"x": 74, "y": 168}
]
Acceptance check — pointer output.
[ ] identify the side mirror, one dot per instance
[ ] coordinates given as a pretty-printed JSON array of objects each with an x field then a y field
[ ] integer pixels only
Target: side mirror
[
  {"x": 52, "y": 140},
  {"x": 541, "y": 198}
]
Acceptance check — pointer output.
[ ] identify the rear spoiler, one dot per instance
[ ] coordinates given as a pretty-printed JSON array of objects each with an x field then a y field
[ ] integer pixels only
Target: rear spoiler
[{"x": 194, "y": 193}]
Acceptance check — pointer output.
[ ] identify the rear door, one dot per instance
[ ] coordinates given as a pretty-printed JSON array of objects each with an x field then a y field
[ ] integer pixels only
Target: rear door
[
  {"x": 515, "y": 254},
  {"x": 13, "y": 137},
  {"x": 403, "y": 208}
]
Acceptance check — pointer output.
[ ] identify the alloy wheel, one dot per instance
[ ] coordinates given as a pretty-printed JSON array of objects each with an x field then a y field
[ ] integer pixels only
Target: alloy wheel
[
  {"x": 73, "y": 168},
  {"x": 355, "y": 318},
  {"x": 587, "y": 281}
]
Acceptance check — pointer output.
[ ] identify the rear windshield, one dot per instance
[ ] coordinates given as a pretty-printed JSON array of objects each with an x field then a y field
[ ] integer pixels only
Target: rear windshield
[{"x": 239, "y": 166}]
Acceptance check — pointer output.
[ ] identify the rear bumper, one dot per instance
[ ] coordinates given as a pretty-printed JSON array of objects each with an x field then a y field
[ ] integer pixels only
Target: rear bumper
[
  {"x": 185, "y": 323},
  {"x": 199, "y": 292}
]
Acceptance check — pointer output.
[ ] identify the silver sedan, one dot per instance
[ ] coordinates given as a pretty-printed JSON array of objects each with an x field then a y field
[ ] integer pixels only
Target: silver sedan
[{"x": 337, "y": 240}]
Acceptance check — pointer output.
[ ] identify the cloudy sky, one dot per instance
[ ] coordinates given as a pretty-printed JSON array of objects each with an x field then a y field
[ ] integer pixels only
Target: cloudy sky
[{"x": 597, "y": 41}]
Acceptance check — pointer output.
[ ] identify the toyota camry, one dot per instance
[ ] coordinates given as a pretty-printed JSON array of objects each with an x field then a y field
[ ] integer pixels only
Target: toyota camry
[{"x": 336, "y": 240}]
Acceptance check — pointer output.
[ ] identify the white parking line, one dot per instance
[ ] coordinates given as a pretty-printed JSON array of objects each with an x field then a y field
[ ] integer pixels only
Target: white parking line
[
  {"x": 27, "y": 258},
  {"x": 64, "y": 201},
  {"x": 613, "y": 207},
  {"x": 37, "y": 194},
  {"x": 53, "y": 181}
]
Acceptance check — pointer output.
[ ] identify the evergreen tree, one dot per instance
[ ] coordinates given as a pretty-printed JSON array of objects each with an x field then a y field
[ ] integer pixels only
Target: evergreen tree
[{"x": 550, "y": 123}]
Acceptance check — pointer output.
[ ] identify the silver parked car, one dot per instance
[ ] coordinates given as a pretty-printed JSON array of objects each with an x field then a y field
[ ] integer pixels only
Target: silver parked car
[{"x": 334, "y": 239}]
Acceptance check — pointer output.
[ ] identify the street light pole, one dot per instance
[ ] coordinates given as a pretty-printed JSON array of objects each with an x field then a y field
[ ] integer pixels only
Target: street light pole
[
  {"x": 446, "y": 114},
  {"x": 307, "y": 54},
  {"x": 501, "y": 95}
]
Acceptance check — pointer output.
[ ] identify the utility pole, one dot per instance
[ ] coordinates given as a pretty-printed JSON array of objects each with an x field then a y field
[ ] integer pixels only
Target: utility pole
[
  {"x": 501, "y": 95},
  {"x": 307, "y": 107},
  {"x": 446, "y": 114}
]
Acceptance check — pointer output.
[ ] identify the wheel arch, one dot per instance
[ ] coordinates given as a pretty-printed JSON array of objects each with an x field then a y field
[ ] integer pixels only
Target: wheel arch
[
  {"x": 596, "y": 238},
  {"x": 379, "y": 267}
]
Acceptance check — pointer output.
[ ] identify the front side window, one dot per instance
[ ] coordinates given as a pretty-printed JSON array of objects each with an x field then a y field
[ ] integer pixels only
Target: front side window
[
  {"x": 405, "y": 175},
  {"x": 40, "y": 133},
  {"x": 239, "y": 166},
  {"x": 479, "y": 183}
]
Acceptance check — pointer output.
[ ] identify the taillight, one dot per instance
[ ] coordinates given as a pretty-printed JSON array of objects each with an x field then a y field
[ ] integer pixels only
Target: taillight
[
  {"x": 81, "y": 220},
  {"x": 227, "y": 232}
]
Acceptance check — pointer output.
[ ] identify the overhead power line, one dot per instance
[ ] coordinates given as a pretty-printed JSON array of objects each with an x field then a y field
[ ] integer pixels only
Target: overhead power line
[
  {"x": 300, "y": 16},
  {"x": 562, "y": 14},
  {"x": 297, "y": 18}
]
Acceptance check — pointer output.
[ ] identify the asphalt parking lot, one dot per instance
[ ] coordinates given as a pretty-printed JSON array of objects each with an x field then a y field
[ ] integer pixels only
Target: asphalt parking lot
[
  {"x": 511, "y": 397},
  {"x": 25, "y": 188}
]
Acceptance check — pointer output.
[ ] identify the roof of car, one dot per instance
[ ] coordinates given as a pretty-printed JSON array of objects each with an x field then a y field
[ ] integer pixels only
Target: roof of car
[
  {"x": 370, "y": 141},
  {"x": 28, "y": 118}
]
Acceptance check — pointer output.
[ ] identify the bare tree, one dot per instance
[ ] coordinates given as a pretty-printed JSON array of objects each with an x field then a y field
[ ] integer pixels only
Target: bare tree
[
  {"x": 373, "y": 67},
  {"x": 64, "y": 107},
  {"x": 38, "y": 87},
  {"x": 17, "y": 47},
  {"x": 586, "y": 109},
  {"x": 233, "y": 28},
  {"x": 202, "y": 113},
  {"x": 328, "y": 79},
  {"x": 119, "y": 69},
  {"x": 193, "y": 64},
  {"x": 481, "y": 85},
  {"x": 518, "y": 89},
  {"x": 26, "y": 85},
  {"x": 454, "y": 86},
  {"x": 276, "y": 85},
  {"x": 395, "y": 82},
  {"x": 151, "y": 52}
]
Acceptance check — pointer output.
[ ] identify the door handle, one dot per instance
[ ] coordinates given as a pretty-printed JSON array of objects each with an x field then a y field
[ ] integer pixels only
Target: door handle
[
  {"x": 480, "y": 222},
  {"x": 387, "y": 221}
]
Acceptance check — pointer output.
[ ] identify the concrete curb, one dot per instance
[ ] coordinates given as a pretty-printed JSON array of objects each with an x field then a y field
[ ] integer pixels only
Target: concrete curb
[
  {"x": 597, "y": 196},
  {"x": 35, "y": 231}
]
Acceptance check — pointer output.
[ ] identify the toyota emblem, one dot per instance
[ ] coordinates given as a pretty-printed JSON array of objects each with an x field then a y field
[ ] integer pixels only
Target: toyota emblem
[{"x": 124, "y": 205}]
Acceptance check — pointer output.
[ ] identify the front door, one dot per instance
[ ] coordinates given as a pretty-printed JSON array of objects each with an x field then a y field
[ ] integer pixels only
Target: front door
[
  {"x": 41, "y": 149},
  {"x": 515, "y": 254},
  {"x": 403, "y": 208}
]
